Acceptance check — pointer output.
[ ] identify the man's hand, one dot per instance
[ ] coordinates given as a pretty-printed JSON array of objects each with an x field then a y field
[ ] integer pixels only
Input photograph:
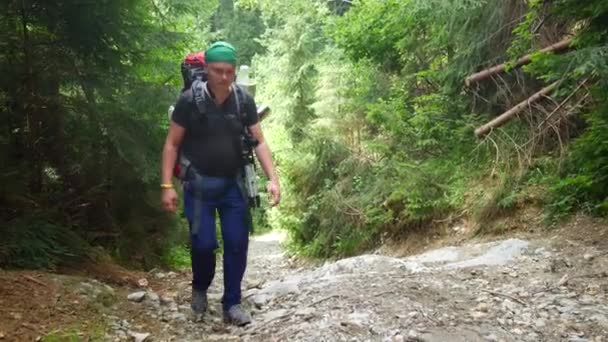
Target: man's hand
[
  {"x": 169, "y": 199},
  {"x": 262, "y": 151},
  {"x": 274, "y": 192}
]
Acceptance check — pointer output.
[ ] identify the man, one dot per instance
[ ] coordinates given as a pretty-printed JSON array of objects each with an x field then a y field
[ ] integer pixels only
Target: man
[{"x": 211, "y": 141}]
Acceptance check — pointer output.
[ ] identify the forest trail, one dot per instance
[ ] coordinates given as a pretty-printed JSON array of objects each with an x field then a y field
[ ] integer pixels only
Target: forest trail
[
  {"x": 460, "y": 138},
  {"x": 537, "y": 288}
]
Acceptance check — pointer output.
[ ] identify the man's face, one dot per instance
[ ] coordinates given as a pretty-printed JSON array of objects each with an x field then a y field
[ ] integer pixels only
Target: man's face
[{"x": 220, "y": 74}]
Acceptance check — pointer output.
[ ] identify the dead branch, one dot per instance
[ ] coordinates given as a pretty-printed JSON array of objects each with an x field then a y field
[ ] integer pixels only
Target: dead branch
[
  {"x": 522, "y": 158},
  {"x": 563, "y": 102},
  {"x": 559, "y": 139},
  {"x": 497, "y": 156},
  {"x": 543, "y": 126},
  {"x": 34, "y": 280},
  {"x": 487, "y": 73},
  {"x": 324, "y": 299},
  {"x": 508, "y": 115},
  {"x": 500, "y": 294},
  {"x": 380, "y": 294}
]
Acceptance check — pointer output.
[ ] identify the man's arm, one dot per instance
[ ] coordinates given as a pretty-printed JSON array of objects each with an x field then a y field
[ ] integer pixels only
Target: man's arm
[
  {"x": 179, "y": 120},
  {"x": 262, "y": 151},
  {"x": 172, "y": 143}
]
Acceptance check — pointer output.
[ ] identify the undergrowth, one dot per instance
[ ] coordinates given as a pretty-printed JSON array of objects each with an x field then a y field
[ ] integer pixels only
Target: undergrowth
[{"x": 35, "y": 243}]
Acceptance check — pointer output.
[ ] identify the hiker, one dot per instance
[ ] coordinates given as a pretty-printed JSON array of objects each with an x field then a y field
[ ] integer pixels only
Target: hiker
[{"x": 207, "y": 129}]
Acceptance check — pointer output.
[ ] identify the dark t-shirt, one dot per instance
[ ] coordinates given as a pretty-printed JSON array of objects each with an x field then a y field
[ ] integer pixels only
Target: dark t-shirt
[{"x": 212, "y": 140}]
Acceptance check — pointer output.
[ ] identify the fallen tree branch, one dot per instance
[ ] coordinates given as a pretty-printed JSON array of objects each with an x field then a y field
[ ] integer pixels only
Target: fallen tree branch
[
  {"x": 500, "y": 294},
  {"x": 379, "y": 294},
  {"x": 324, "y": 299},
  {"x": 508, "y": 115},
  {"x": 487, "y": 73},
  {"x": 34, "y": 280}
]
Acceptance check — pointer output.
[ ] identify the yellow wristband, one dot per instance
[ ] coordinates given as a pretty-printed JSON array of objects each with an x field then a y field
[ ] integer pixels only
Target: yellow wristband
[{"x": 166, "y": 186}]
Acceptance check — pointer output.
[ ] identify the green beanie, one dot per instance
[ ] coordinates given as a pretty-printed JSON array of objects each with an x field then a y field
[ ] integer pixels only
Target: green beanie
[{"x": 221, "y": 52}]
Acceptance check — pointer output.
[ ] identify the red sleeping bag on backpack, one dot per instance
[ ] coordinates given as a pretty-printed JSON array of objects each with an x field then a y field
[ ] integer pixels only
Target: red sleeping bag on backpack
[
  {"x": 194, "y": 66},
  {"x": 195, "y": 59}
]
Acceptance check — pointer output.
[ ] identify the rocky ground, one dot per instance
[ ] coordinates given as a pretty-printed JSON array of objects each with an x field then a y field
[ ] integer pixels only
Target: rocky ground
[{"x": 544, "y": 288}]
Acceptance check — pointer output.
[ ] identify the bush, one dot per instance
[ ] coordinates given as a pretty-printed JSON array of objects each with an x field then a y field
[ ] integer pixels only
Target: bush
[{"x": 38, "y": 244}]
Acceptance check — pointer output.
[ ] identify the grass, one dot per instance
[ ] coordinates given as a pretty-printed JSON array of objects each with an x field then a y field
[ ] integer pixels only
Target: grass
[
  {"x": 95, "y": 332},
  {"x": 177, "y": 258}
]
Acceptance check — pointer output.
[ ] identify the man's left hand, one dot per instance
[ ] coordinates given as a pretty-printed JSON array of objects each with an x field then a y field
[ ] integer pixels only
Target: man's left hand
[{"x": 274, "y": 192}]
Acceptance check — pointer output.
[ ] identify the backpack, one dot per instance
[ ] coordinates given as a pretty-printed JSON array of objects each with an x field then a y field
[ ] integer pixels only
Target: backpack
[
  {"x": 193, "y": 67},
  {"x": 194, "y": 70},
  {"x": 183, "y": 166},
  {"x": 199, "y": 95}
]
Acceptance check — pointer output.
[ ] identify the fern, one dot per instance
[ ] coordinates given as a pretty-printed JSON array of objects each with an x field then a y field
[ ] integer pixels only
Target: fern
[{"x": 39, "y": 244}]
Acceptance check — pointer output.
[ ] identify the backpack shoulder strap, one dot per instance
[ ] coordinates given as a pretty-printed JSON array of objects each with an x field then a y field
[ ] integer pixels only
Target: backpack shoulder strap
[
  {"x": 199, "y": 95},
  {"x": 240, "y": 98}
]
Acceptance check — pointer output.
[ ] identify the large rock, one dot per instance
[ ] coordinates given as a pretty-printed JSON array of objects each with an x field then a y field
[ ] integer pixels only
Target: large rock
[
  {"x": 137, "y": 296},
  {"x": 485, "y": 254},
  {"x": 139, "y": 337},
  {"x": 275, "y": 289}
]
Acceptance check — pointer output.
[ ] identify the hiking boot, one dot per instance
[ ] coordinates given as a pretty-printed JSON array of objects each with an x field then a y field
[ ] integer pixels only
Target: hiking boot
[
  {"x": 199, "y": 301},
  {"x": 237, "y": 316}
]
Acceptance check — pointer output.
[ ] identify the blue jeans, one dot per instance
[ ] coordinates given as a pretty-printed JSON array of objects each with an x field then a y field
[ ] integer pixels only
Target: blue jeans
[{"x": 224, "y": 196}]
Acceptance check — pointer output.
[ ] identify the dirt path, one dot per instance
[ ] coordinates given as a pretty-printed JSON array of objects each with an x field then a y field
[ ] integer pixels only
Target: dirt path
[
  {"x": 509, "y": 290},
  {"x": 546, "y": 288},
  {"x": 166, "y": 314}
]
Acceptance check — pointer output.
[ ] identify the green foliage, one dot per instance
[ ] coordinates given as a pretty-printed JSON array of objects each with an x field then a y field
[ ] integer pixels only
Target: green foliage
[
  {"x": 260, "y": 218},
  {"x": 96, "y": 332},
  {"x": 177, "y": 257},
  {"x": 242, "y": 26},
  {"x": 524, "y": 32},
  {"x": 85, "y": 92},
  {"x": 583, "y": 179},
  {"x": 39, "y": 244},
  {"x": 382, "y": 143},
  {"x": 373, "y": 131},
  {"x": 498, "y": 201},
  {"x": 579, "y": 184},
  {"x": 371, "y": 30}
]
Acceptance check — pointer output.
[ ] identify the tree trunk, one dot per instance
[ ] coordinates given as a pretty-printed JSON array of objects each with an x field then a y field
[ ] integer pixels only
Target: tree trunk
[
  {"x": 508, "y": 115},
  {"x": 487, "y": 73},
  {"x": 29, "y": 109}
]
